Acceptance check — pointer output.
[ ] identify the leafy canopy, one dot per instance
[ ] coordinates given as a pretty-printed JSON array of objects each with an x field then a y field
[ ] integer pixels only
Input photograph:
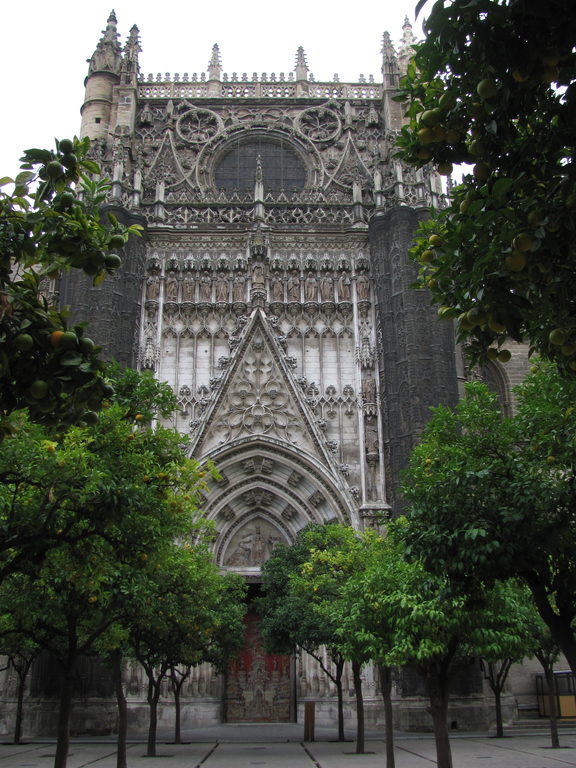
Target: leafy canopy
[
  {"x": 51, "y": 223},
  {"x": 494, "y": 85},
  {"x": 493, "y": 498}
]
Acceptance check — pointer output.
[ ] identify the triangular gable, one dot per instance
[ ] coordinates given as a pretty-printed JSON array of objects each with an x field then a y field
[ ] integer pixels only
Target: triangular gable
[{"x": 259, "y": 398}]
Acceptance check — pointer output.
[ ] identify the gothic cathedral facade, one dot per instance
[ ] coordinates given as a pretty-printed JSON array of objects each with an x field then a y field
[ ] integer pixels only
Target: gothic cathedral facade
[{"x": 272, "y": 290}]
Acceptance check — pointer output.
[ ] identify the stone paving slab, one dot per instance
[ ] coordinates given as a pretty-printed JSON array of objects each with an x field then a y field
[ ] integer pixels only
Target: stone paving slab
[
  {"x": 411, "y": 751},
  {"x": 517, "y": 752}
]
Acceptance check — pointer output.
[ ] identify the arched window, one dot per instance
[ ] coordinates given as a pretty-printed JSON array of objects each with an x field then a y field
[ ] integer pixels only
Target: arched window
[{"x": 282, "y": 168}]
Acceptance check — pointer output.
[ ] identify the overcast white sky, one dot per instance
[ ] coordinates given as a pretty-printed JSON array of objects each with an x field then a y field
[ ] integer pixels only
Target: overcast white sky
[{"x": 44, "y": 45}]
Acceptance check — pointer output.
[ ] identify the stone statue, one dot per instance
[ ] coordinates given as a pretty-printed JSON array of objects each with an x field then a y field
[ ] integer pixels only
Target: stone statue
[
  {"x": 205, "y": 288},
  {"x": 368, "y": 390},
  {"x": 238, "y": 288},
  {"x": 258, "y": 274},
  {"x": 327, "y": 289},
  {"x": 222, "y": 288},
  {"x": 371, "y": 441},
  {"x": 152, "y": 288},
  {"x": 310, "y": 288},
  {"x": 362, "y": 287},
  {"x": 277, "y": 289},
  {"x": 344, "y": 288},
  {"x": 171, "y": 289},
  {"x": 293, "y": 288},
  {"x": 188, "y": 289}
]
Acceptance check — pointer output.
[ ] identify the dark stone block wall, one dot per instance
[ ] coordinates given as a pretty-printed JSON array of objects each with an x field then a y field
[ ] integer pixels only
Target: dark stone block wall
[
  {"x": 417, "y": 351},
  {"x": 113, "y": 309}
]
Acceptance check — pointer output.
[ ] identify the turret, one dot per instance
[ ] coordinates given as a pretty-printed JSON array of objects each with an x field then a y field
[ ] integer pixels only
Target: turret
[{"x": 103, "y": 74}]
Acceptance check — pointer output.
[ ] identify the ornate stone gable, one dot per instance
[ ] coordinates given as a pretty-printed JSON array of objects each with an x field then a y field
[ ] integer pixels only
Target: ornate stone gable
[{"x": 259, "y": 398}]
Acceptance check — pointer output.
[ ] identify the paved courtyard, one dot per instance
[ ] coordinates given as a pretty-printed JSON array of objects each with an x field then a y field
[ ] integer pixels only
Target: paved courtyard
[{"x": 270, "y": 746}]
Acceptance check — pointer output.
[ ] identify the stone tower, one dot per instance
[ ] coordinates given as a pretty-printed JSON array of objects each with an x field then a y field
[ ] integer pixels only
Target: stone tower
[{"x": 272, "y": 291}]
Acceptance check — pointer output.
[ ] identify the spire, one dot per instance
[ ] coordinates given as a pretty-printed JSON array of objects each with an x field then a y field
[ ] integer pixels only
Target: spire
[
  {"x": 406, "y": 45},
  {"x": 132, "y": 48},
  {"x": 301, "y": 65},
  {"x": 215, "y": 64},
  {"x": 389, "y": 62},
  {"x": 110, "y": 34},
  {"x": 388, "y": 51},
  {"x": 108, "y": 54}
]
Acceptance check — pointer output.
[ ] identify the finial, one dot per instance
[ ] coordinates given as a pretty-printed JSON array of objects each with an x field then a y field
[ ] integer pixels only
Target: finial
[
  {"x": 389, "y": 62},
  {"x": 259, "y": 176},
  {"x": 301, "y": 64},
  {"x": 388, "y": 51},
  {"x": 132, "y": 48},
  {"x": 215, "y": 64},
  {"x": 259, "y": 186},
  {"x": 133, "y": 37},
  {"x": 111, "y": 32},
  {"x": 108, "y": 54},
  {"x": 406, "y": 45}
]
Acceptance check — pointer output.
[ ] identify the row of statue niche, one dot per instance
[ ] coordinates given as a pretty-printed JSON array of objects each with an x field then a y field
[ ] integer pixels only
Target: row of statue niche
[{"x": 222, "y": 287}]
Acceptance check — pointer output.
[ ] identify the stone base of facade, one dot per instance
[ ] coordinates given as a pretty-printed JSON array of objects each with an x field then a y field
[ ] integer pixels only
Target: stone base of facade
[{"x": 98, "y": 717}]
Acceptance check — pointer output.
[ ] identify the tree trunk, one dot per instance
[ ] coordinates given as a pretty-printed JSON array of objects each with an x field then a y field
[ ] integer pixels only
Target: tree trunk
[
  {"x": 552, "y": 706},
  {"x": 386, "y": 687},
  {"x": 153, "y": 722},
  {"x": 177, "y": 732},
  {"x": 356, "y": 669},
  {"x": 498, "y": 707},
  {"x": 496, "y": 673},
  {"x": 438, "y": 693},
  {"x": 154, "y": 683},
  {"x": 63, "y": 733},
  {"x": 339, "y": 662},
  {"x": 340, "y": 696},
  {"x": 19, "y": 710},
  {"x": 560, "y": 626},
  {"x": 121, "y": 760},
  {"x": 21, "y": 664}
]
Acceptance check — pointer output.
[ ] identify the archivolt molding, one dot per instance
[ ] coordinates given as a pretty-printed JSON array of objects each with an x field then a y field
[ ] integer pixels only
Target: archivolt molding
[
  {"x": 267, "y": 486},
  {"x": 297, "y": 476}
]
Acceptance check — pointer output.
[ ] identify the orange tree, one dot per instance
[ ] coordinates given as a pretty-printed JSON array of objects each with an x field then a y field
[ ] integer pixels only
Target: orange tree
[
  {"x": 188, "y": 613},
  {"x": 85, "y": 515},
  {"x": 493, "y": 498},
  {"x": 290, "y": 618},
  {"x": 494, "y": 85},
  {"x": 64, "y": 487},
  {"x": 49, "y": 223}
]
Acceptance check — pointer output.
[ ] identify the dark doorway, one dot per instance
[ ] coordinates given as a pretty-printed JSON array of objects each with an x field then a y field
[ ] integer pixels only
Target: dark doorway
[{"x": 258, "y": 684}]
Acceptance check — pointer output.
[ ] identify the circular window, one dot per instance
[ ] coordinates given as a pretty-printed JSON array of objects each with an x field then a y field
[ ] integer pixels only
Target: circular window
[{"x": 282, "y": 168}]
